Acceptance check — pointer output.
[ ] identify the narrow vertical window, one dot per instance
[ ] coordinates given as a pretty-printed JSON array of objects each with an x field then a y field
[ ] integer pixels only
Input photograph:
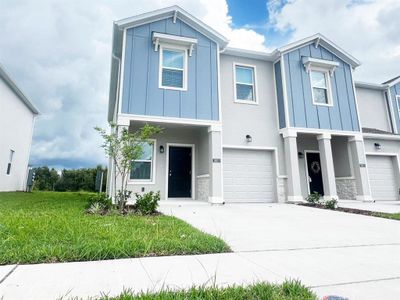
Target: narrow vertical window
[
  {"x": 173, "y": 69},
  {"x": 245, "y": 84},
  {"x": 398, "y": 104},
  {"x": 320, "y": 87},
  {"x": 10, "y": 162},
  {"x": 142, "y": 168}
]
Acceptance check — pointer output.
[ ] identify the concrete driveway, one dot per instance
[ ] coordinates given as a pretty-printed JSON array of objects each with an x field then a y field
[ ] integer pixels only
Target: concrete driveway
[{"x": 333, "y": 252}]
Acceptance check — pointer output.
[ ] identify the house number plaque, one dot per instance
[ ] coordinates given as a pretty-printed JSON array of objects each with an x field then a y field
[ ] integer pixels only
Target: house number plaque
[
  {"x": 362, "y": 165},
  {"x": 216, "y": 160}
]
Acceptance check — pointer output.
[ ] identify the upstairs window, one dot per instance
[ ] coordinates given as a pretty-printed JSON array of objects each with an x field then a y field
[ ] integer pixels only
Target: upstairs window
[
  {"x": 142, "y": 168},
  {"x": 245, "y": 84},
  {"x": 320, "y": 87},
  {"x": 10, "y": 162},
  {"x": 173, "y": 68}
]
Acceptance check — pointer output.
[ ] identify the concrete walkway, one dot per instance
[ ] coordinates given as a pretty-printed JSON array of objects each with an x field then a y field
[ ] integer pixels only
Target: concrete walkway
[
  {"x": 332, "y": 252},
  {"x": 378, "y": 206}
]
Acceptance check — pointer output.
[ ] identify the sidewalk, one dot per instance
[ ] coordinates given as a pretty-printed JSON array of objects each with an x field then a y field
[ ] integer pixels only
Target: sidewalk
[{"x": 363, "y": 272}]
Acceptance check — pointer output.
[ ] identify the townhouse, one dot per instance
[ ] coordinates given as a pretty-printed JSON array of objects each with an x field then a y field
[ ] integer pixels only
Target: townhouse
[{"x": 248, "y": 126}]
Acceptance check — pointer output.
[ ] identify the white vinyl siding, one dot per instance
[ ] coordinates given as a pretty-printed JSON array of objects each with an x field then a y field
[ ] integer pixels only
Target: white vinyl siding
[
  {"x": 248, "y": 175},
  {"x": 382, "y": 177}
]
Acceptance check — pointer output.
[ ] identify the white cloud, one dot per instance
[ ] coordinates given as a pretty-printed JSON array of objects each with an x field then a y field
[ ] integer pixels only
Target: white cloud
[
  {"x": 59, "y": 53},
  {"x": 369, "y": 30}
]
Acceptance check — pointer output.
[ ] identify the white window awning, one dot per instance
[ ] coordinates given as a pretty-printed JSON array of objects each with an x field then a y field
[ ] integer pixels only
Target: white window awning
[
  {"x": 310, "y": 62},
  {"x": 163, "y": 38}
]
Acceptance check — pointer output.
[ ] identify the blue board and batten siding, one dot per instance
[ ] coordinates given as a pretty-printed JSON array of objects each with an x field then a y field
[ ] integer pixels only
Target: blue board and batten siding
[
  {"x": 302, "y": 112},
  {"x": 141, "y": 94},
  {"x": 395, "y": 91}
]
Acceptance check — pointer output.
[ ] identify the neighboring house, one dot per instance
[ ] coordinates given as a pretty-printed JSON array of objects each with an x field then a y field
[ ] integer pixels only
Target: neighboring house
[
  {"x": 17, "y": 116},
  {"x": 247, "y": 126}
]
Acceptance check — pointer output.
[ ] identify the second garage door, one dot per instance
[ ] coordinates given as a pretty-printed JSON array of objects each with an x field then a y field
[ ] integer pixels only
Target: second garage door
[
  {"x": 382, "y": 177},
  {"x": 248, "y": 175}
]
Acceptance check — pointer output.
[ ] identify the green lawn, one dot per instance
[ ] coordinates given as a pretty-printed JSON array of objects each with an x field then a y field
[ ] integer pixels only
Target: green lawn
[
  {"x": 53, "y": 227},
  {"x": 288, "y": 290},
  {"x": 395, "y": 216}
]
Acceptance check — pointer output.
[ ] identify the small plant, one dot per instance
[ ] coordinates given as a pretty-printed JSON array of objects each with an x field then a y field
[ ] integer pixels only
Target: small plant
[
  {"x": 102, "y": 199},
  {"x": 96, "y": 209},
  {"x": 331, "y": 204},
  {"x": 313, "y": 198},
  {"x": 147, "y": 203}
]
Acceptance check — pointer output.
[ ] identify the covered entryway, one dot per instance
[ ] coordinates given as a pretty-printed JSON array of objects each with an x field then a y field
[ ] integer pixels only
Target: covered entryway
[
  {"x": 248, "y": 175},
  {"x": 382, "y": 177}
]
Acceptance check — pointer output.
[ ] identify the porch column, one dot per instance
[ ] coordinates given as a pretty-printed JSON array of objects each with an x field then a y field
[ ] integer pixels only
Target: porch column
[
  {"x": 360, "y": 168},
  {"x": 327, "y": 168},
  {"x": 292, "y": 166},
  {"x": 215, "y": 164}
]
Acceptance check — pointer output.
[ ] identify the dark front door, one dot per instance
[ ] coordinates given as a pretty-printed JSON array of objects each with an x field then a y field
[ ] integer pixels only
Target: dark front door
[
  {"x": 314, "y": 173},
  {"x": 180, "y": 172}
]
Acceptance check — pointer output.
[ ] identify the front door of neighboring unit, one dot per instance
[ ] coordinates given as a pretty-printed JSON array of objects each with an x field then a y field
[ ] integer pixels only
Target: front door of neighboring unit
[
  {"x": 180, "y": 172},
  {"x": 314, "y": 173}
]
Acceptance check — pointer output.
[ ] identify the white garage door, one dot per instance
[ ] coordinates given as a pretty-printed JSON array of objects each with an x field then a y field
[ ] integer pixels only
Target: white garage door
[
  {"x": 382, "y": 178},
  {"x": 248, "y": 175}
]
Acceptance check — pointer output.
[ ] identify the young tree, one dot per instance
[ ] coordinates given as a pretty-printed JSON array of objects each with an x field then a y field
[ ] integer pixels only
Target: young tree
[{"x": 123, "y": 147}]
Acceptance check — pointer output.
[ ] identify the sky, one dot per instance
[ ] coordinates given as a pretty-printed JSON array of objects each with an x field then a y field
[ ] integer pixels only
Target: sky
[{"x": 59, "y": 52}]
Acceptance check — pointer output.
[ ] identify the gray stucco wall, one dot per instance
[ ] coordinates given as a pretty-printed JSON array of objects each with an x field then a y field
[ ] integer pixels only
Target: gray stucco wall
[
  {"x": 341, "y": 156},
  {"x": 373, "y": 109},
  {"x": 258, "y": 120},
  {"x": 182, "y": 135}
]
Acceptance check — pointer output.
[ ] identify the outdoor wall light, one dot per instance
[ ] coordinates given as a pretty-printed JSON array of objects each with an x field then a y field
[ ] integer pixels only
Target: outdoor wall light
[
  {"x": 300, "y": 154},
  {"x": 161, "y": 149},
  {"x": 378, "y": 146},
  {"x": 249, "y": 139}
]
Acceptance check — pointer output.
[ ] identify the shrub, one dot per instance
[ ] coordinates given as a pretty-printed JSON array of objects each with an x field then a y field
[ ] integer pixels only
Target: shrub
[
  {"x": 313, "y": 198},
  {"x": 147, "y": 203},
  {"x": 331, "y": 204},
  {"x": 102, "y": 199},
  {"x": 96, "y": 209}
]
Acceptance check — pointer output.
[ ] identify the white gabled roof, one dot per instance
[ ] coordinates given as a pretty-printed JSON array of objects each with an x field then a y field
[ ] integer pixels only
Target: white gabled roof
[
  {"x": 319, "y": 39},
  {"x": 13, "y": 86},
  {"x": 173, "y": 12},
  {"x": 393, "y": 81}
]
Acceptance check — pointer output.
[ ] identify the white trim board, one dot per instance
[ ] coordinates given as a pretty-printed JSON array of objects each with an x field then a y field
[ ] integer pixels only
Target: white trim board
[
  {"x": 124, "y": 120},
  {"x": 193, "y": 147}
]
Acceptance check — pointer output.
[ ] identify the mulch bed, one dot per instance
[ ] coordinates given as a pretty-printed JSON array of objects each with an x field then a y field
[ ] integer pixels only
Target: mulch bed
[{"x": 349, "y": 210}]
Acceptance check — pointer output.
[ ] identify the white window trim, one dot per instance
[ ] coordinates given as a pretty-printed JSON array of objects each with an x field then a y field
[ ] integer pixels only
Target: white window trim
[
  {"x": 185, "y": 66},
  {"x": 328, "y": 86},
  {"x": 152, "y": 168},
  {"x": 255, "y": 92}
]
